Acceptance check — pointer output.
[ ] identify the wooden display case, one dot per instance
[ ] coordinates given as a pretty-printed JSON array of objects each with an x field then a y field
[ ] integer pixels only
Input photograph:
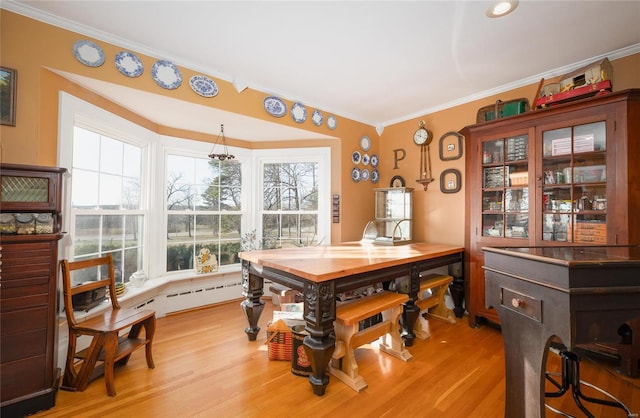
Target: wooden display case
[
  {"x": 393, "y": 217},
  {"x": 559, "y": 176},
  {"x": 28, "y": 289}
]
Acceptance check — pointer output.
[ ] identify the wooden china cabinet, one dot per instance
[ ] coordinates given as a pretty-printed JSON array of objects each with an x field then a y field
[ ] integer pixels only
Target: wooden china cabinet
[
  {"x": 565, "y": 175},
  {"x": 30, "y": 220}
]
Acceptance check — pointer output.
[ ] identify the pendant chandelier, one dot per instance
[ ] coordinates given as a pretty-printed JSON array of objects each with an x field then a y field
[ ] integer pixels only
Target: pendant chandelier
[{"x": 223, "y": 141}]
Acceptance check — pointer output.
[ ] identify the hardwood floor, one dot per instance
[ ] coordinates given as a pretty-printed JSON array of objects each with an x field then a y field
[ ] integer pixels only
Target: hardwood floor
[{"x": 206, "y": 367}]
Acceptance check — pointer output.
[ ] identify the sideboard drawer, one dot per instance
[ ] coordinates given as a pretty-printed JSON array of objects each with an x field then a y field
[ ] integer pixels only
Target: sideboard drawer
[{"x": 523, "y": 304}]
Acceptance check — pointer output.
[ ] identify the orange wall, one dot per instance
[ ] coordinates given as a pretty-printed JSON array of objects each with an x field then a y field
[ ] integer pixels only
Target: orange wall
[{"x": 34, "y": 49}]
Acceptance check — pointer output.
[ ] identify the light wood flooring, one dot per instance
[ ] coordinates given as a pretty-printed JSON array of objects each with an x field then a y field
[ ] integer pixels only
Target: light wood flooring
[{"x": 206, "y": 367}]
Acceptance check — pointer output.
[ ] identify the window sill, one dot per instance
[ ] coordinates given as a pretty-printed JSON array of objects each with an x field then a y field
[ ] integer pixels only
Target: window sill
[{"x": 139, "y": 296}]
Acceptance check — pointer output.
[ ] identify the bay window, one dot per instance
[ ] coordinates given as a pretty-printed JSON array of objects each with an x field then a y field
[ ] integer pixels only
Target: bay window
[{"x": 155, "y": 201}]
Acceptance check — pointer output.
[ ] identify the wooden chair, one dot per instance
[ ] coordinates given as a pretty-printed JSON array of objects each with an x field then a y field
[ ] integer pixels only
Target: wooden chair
[
  {"x": 343, "y": 364},
  {"x": 107, "y": 346}
]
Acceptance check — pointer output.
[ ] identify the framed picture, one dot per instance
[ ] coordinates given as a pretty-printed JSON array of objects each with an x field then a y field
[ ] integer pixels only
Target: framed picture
[
  {"x": 450, "y": 181},
  {"x": 8, "y": 96},
  {"x": 396, "y": 181},
  {"x": 451, "y": 146}
]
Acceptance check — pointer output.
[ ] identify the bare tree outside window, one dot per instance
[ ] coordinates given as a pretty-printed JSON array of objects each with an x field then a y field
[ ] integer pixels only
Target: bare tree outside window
[
  {"x": 290, "y": 204},
  {"x": 203, "y": 206}
]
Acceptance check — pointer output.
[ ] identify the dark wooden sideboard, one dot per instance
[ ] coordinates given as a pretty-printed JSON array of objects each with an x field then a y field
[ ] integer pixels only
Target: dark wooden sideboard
[
  {"x": 581, "y": 295},
  {"x": 30, "y": 203}
]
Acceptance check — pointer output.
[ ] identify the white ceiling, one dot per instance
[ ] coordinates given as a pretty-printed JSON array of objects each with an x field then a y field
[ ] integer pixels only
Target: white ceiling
[{"x": 377, "y": 62}]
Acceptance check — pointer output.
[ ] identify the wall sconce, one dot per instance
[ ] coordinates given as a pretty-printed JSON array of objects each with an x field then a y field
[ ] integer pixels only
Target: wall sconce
[{"x": 226, "y": 155}]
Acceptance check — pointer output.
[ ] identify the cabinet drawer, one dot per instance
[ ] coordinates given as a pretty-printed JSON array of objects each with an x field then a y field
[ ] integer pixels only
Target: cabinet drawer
[
  {"x": 29, "y": 249},
  {"x": 22, "y": 377},
  {"x": 523, "y": 304},
  {"x": 24, "y": 302},
  {"x": 23, "y": 320},
  {"x": 12, "y": 292},
  {"x": 23, "y": 345}
]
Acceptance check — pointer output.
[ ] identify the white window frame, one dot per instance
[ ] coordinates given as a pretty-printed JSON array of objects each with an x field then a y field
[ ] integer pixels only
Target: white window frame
[
  {"x": 198, "y": 149},
  {"x": 322, "y": 156},
  {"x": 155, "y": 148},
  {"x": 76, "y": 112}
]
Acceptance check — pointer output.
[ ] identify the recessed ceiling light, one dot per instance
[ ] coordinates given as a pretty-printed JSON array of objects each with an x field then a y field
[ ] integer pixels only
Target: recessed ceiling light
[{"x": 502, "y": 8}]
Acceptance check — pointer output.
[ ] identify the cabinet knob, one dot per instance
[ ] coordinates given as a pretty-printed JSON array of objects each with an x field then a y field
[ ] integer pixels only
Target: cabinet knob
[{"x": 517, "y": 303}]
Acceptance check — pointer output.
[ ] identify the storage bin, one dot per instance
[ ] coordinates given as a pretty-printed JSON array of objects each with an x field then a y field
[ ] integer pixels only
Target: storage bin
[
  {"x": 44, "y": 223},
  {"x": 300, "y": 364},
  {"x": 519, "y": 179},
  {"x": 279, "y": 341},
  {"x": 7, "y": 223},
  {"x": 25, "y": 223}
]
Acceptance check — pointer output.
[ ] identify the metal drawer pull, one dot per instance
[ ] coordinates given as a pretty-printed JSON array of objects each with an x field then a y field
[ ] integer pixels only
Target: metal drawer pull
[{"x": 517, "y": 303}]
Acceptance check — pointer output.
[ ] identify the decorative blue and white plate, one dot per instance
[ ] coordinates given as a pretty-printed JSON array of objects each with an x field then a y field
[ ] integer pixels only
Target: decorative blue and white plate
[
  {"x": 204, "y": 86},
  {"x": 365, "y": 143},
  {"x": 355, "y": 174},
  {"x": 316, "y": 117},
  {"x": 275, "y": 106},
  {"x": 88, "y": 53},
  {"x": 375, "y": 175},
  {"x": 374, "y": 160},
  {"x": 355, "y": 157},
  {"x": 129, "y": 64},
  {"x": 298, "y": 112},
  {"x": 364, "y": 174},
  {"x": 166, "y": 74},
  {"x": 332, "y": 122},
  {"x": 365, "y": 159}
]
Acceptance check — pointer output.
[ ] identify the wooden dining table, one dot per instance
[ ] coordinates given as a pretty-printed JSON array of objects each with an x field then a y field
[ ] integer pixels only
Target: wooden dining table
[{"x": 320, "y": 273}]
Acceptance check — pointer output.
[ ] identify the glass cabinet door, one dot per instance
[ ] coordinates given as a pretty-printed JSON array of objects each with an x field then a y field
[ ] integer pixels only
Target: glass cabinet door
[
  {"x": 505, "y": 187},
  {"x": 574, "y": 199}
]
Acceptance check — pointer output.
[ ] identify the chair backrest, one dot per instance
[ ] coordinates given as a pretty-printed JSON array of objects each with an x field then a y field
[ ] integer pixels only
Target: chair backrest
[{"x": 88, "y": 276}]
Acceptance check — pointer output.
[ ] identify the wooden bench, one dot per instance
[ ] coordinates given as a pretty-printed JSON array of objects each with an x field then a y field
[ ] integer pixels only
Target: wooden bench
[
  {"x": 282, "y": 294},
  {"x": 343, "y": 363},
  {"x": 107, "y": 346},
  {"x": 434, "y": 304}
]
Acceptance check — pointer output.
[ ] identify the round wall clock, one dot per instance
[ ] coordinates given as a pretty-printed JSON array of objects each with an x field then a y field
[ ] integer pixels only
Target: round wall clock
[{"x": 422, "y": 136}]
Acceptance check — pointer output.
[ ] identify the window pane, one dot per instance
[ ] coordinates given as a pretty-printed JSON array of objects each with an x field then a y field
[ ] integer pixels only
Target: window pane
[
  {"x": 309, "y": 230},
  {"x": 211, "y": 198},
  {"x": 179, "y": 256},
  {"x": 289, "y": 230},
  {"x": 110, "y": 191},
  {"x": 87, "y": 235},
  {"x": 84, "y": 185},
  {"x": 132, "y": 162},
  {"x": 131, "y": 193},
  {"x": 133, "y": 231},
  {"x": 179, "y": 195},
  {"x": 112, "y": 232},
  {"x": 132, "y": 261},
  {"x": 230, "y": 198},
  {"x": 271, "y": 198},
  {"x": 207, "y": 227},
  {"x": 110, "y": 156},
  {"x": 85, "y": 144}
]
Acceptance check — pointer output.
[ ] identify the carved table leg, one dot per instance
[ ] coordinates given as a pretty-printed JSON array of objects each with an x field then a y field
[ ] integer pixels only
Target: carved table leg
[
  {"x": 411, "y": 311},
  {"x": 319, "y": 314},
  {"x": 252, "y": 306},
  {"x": 457, "y": 294}
]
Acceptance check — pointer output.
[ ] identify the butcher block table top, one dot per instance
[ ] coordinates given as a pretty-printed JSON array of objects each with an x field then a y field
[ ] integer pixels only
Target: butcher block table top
[{"x": 322, "y": 263}]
